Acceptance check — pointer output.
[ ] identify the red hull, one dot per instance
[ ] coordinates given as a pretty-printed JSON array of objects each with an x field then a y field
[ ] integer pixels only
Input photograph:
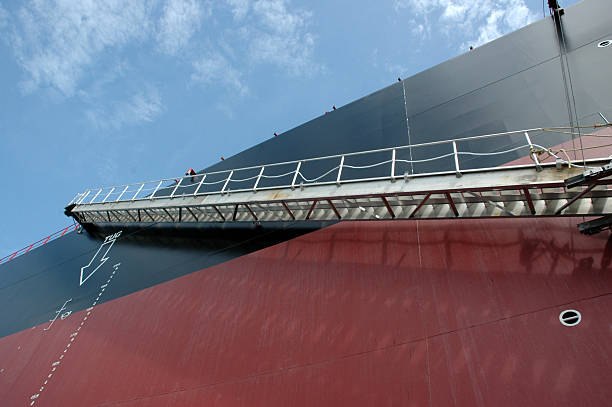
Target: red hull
[{"x": 367, "y": 313}]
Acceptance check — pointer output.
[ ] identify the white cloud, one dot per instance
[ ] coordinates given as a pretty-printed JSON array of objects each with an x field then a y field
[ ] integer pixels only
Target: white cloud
[
  {"x": 502, "y": 20},
  {"x": 397, "y": 69},
  {"x": 416, "y": 6},
  {"x": 215, "y": 68},
  {"x": 3, "y": 17},
  {"x": 179, "y": 21},
  {"x": 269, "y": 33},
  {"x": 55, "y": 41},
  {"x": 143, "y": 106},
  {"x": 454, "y": 12},
  {"x": 491, "y": 30},
  {"x": 480, "y": 21},
  {"x": 66, "y": 47},
  {"x": 240, "y": 8},
  {"x": 518, "y": 14},
  {"x": 281, "y": 38}
]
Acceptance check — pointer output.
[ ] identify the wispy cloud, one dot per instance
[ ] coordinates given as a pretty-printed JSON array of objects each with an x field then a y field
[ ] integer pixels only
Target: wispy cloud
[
  {"x": 55, "y": 41},
  {"x": 3, "y": 17},
  {"x": 281, "y": 37},
  {"x": 214, "y": 68},
  {"x": 266, "y": 32},
  {"x": 64, "y": 47},
  {"x": 397, "y": 69},
  {"x": 480, "y": 20},
  {"x": 143, "y": 106},
  {"x": 502, "y": 20},
  {"x": 239, "y": 8},
  {"x": 180, "y": 20}
]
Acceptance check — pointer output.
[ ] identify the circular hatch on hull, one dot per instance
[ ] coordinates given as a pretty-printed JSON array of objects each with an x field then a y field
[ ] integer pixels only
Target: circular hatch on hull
[{"x": 570, "y": 317}]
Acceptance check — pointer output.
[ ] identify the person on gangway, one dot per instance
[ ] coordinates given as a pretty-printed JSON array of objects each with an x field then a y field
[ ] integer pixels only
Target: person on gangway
[{"x": 192, "y": 173}]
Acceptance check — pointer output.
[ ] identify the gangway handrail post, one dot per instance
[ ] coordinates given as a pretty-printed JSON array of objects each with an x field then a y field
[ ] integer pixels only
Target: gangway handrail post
[
  {"x": 176, "y": 187},
  {"x": 96, "y": 195},
  {"x": 107, "y": 195},
  {"x": 84, "y": 196},
  {"x": 122, "y": 192},
  {"x": 76, "y": 198},
  {"x": 340, "y": 170},
  {"x": 227, "y": 181},
  {"x": 137, "y": 192},
  {"x": 156, "y": 188},
  {"x": 73, "y": 200},
  {"x": 393, "y": 165},
  {"x": 258, "y": 178},
  {"x": 457, "y": 168},
  {"x": 297, "y": 171},
  {"x": 532, "y": 154},
  {"x": 199, "y": 185}
]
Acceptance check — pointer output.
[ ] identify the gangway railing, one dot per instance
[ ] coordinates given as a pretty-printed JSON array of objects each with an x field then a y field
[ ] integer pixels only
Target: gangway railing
[
  {"x": 360, "y": 185},
  {"x": 38, "y": 243}
]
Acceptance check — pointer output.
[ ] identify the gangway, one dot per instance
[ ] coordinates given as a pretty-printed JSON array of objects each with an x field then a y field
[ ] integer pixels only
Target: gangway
[{"x": 391, "y": 189}]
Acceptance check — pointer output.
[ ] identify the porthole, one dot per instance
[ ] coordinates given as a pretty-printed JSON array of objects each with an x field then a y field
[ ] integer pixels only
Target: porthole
[
  {"x": 570, "y": 317},
  {"x": 604, "y": 43}
]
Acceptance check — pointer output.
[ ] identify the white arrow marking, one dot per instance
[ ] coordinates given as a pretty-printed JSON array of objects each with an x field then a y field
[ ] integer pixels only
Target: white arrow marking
[{"x": 108, "y": 243}]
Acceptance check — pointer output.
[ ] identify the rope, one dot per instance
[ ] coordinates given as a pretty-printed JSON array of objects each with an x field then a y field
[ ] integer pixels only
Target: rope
[
  {"x": 594, "y": 126},
  {"x": 245, "y": 179},
  {"x": 358, "y": 167},
  {"x": 573, "y": 133},
  {"x": 426, "y": 159},
  {"x": 498, "y": 152},
  {"x": 278, "y": 176},
  {"x": 214, "y": 182},
  {"x": 553, "y": 153},
  {"x": 318, "y": 178}
]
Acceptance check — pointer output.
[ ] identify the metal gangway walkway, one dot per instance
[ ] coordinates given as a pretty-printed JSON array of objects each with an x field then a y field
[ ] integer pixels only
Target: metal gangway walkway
[{"x": 381, "y": 184}]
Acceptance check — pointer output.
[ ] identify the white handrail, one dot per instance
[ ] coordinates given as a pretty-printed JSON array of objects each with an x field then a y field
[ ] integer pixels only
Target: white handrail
[{"x": 79, "y": 199}]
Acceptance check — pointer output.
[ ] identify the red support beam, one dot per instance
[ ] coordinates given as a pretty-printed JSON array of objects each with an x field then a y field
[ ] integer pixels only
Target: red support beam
[
  {"x": 449, "y": 198},
  {"x": 311, "y": 209},
  {"x": 421, "y": 204},
  {"x": 250, "y": 210},
  {"x": 288, "y": 210},
  {"x": 388, "y": 207},
  {"x": 574, "y": 199},
  {"x": 334, "y": 208},
  {"x": 529, "y": 201}
]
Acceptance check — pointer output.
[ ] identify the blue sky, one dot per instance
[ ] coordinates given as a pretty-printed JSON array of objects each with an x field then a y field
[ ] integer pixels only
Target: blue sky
[{"x": 98, "y": 93}]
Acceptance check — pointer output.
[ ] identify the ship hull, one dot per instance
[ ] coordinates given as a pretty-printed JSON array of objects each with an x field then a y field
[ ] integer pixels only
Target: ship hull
[{"x": 360, "y": 313}]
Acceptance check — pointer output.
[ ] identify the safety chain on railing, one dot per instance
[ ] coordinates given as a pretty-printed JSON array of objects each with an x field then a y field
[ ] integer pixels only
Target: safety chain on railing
[
  {"x": 39, "y": 243},
  {"x": 177, "y": 186}
]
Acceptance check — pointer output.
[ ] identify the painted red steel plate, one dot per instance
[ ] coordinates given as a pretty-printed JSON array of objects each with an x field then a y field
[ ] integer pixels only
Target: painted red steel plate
[{"x": 401, "y": 313}]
